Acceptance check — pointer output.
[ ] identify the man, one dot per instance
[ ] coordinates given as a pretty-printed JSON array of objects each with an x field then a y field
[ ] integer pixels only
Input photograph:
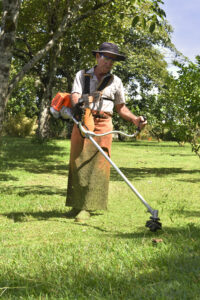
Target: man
[{"x": 89, "y": 171}]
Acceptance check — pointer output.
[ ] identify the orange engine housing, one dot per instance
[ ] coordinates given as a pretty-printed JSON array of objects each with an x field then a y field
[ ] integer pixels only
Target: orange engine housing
[{"x": 60, "y": 100}]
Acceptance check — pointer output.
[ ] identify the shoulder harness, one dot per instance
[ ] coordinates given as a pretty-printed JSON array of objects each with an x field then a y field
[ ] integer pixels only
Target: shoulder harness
[{"x": 102, "y": 85}]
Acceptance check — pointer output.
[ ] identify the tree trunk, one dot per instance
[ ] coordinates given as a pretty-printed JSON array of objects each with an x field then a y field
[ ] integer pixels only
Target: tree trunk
[
  {"x": 43, "y": 126},
  {"x": 10, "y": 12},
  {"x": 7, "y": 39}
]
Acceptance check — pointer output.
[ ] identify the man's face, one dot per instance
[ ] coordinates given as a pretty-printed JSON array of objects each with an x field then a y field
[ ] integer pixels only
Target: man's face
[{"x": 105, "y": 61}]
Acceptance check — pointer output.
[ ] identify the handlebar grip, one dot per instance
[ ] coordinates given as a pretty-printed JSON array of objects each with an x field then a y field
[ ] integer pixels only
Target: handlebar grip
[{"x": 138, "y": 128}]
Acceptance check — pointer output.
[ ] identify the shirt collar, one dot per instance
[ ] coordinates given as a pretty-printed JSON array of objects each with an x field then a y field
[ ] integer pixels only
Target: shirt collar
[{"x": 91, "y": 71}]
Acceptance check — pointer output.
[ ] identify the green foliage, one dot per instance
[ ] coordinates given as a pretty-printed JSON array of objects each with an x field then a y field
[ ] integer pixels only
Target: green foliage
[
  {"x": 38, "y": 22},
  {"x": 24, "y": 97},
  {"x": 81, "y": 37},
  {"x": 180, "y": 104},
  {"x": 60, "y": 128},
  {"x": 174, "y": 111},
  {"x": 20, "y": 125}
]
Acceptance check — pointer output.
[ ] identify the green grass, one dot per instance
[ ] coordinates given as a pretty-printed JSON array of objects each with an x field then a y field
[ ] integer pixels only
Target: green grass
[{"x": 44, "y": 255}]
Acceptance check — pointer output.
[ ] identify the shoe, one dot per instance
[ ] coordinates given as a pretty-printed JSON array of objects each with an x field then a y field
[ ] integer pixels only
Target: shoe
[
  {"x": 72, "y": 213},
  {"x": 82, "y": 216}
]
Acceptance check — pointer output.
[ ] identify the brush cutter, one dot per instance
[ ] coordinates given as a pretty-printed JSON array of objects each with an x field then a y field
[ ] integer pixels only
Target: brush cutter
[{"x": 66, "y": 113}]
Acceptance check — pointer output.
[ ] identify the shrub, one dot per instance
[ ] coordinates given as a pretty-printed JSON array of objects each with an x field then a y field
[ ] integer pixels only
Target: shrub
[{"x": 20, "y": 125}]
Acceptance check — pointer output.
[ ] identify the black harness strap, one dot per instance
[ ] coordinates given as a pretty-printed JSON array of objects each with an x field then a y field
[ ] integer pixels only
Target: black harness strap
[
  {"x": 104, "y": 83},
  {"x": 87, "y": 83},
  {"x": 109, "y": 99},
  {"x": 101, "y": 86}
]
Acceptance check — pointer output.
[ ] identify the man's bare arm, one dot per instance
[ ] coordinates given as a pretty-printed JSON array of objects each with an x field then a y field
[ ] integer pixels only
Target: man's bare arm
[{"x": 127, "y": 115}]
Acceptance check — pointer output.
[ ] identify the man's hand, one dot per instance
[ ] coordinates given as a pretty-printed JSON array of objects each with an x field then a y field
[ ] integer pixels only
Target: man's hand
[
  {"x": 78, "y": 110},
  {"x": 140, "y": 122}
]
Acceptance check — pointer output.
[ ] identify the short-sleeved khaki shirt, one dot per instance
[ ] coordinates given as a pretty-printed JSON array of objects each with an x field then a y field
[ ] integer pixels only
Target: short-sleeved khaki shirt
[{"x": 114, "y": 91}]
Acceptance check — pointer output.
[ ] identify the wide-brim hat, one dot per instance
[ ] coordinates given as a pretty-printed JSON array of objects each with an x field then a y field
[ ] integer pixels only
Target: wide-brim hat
[{"x": 110, "y": 48}]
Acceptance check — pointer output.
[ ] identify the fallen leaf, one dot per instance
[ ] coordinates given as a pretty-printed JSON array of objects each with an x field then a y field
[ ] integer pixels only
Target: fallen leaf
[{"x": 156, "y": 241}]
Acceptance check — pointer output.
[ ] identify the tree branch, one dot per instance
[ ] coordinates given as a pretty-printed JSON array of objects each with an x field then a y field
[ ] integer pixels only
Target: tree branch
[{"x": 66, "y": 23}]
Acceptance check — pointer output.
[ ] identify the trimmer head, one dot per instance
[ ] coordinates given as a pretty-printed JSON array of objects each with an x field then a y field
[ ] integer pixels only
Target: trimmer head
[{"x": 154, "y": 224}]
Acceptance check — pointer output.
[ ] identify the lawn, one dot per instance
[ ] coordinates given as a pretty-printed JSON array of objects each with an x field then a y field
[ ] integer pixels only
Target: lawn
[{"x": 44, "y": 255}]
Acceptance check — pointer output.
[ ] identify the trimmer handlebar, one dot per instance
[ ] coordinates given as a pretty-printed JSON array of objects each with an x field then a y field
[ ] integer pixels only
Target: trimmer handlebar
[
  {"x": 67, "y": 113},
  {"x": 91, "y": 133}
]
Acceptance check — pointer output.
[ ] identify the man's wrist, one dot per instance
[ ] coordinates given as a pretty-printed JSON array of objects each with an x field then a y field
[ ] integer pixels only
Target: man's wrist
[{"x": 134, "y": 120}]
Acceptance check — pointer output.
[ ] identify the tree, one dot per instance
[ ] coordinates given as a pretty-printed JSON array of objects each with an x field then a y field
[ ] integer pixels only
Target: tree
[
  {"x": 145, "y": 70},
  {"x": 10, "y": 13},
  {"x": 9, "y": 18},
  {"x": 72, "y": 31},
  {"x": 184, "y": 96},
  {"x": 176, "y": 109}
]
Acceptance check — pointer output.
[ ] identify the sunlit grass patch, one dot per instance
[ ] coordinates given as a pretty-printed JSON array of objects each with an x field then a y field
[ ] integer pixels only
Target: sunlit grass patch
[{"x": 44, "y": 255}]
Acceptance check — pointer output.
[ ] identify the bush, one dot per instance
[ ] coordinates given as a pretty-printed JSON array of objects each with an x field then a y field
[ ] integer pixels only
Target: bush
[
  {"x": 60, "y": 129},
  {"x": 20, "y": 125}
]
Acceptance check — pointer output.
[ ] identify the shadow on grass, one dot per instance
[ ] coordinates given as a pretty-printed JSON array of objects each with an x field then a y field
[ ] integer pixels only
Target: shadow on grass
[
  {"x": 45, "y": 215},
  {"x": 189, "y": 180},
  {"x": 138, "y": 173},
  {"x": 170, "y": 274},
  {"x": 7, "y": 177},
  {"x": 170, "y": 234},
  {"x": 150, "y": 144},
  {"x": 41, "y": 215},
  {"x": 187, "y": 213},
  {"x": 21, "y": 153},
  {"x": 164, "y": 145},
  {"x": 33, "y": 190},
  {"x": 32, "y": 157},
  {"x": 36, "y": 168},
  {"x": 92, "y": 226}
]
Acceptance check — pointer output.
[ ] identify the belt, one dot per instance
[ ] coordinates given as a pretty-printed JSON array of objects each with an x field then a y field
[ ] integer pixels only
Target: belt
[{"x": 101, "y": 114}]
